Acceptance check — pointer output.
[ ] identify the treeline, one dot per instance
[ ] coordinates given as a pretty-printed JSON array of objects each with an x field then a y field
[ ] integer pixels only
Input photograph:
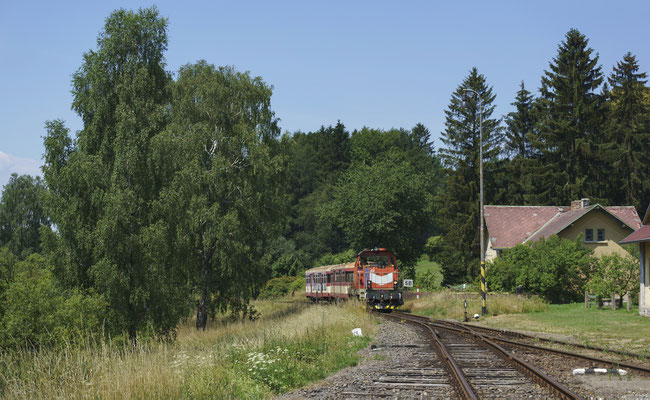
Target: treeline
[
  {"x": 180, "y": 194},
  {"x": 584, "y": 135}
]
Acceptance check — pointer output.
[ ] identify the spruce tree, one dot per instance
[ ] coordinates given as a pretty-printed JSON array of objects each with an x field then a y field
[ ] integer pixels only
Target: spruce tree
[
  {"x": 569, "y": 131},
  {"x": 628, "y": 129},
  {"x": 520, "y": 126},
  {"x": 458, "y": 203}
]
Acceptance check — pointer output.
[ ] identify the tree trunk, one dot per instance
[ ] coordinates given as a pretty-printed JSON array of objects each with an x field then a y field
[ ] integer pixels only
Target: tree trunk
[
  {"x": 613, "y": 301},
  {"x": 201, "y": 312},
  {"x": 628, "y": 300}
]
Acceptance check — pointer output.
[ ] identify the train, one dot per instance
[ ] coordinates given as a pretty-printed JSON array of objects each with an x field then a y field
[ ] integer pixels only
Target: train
[{"x": 372, "y": 278}]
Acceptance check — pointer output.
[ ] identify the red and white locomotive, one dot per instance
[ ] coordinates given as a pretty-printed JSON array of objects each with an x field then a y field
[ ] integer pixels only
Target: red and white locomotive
[{"x": 373, "y": 277}]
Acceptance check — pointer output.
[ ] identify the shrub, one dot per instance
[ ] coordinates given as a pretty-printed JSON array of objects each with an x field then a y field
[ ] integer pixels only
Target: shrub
[
  {"x": 286, "y": 265},
  {"x": 551, "y": 268},
  {"x": 613, "y": 273},
  {"x": 333, "y": 259},
  {"x": 282, "y": 286},
  {"x": 38, "y": 312}
]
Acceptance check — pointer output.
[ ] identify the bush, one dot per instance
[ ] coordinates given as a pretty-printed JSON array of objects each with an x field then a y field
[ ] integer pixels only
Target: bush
[
  {"x": 282, "y": 286},
  {"x": 333, "y": 259},
  {"x": 551, "y": 268},
  {"x": 39, "y": 313},
  {"x": 613, "y": 273},
  {"x": 286, "y": 265}
]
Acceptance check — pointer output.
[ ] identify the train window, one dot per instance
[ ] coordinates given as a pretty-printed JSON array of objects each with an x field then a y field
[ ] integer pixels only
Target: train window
[{"x": 376, "y": 261}]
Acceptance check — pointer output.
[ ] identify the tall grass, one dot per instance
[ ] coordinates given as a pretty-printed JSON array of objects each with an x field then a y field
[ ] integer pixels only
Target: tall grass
[
  {"x": 448, "y": 304},
  {"x": 288, "y": 346}
]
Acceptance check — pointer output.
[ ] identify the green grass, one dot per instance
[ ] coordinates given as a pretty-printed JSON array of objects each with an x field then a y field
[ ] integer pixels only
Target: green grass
[
  {"x": 618, "y": 329},
  {"x": 448, "y": 304},
  {"x": 288, "y": 346},
  {"x": 424, "y": 264},
  {"x": 428, "y": 273}
]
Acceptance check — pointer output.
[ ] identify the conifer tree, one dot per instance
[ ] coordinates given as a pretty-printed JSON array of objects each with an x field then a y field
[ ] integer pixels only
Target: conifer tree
[
  {"x": 569, "y": 131},
  {"x": 459, "y": 202},
  {"x": 628, "y": 129},
  {"x": 520, "y": 126}
]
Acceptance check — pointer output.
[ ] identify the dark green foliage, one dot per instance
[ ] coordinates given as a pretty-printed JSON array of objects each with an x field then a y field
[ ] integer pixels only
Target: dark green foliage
[
  {"x": 458, "y": 204},
  {"x": 628, "y": 130},
  {"x": 520, "y": 155},
  {"x": 221, "y": 205},
  {"x": 552, "y": 268},
  {"x": 286, "y": 265},
  {"x": 385, "y": 204},
  {"x": 333, "y": 259},
  {"x": 103, "y": 185},
  {"x": 315, "y": 161},
  {"x": 282, "y": 286},
  {"x": 22, "y": 214},
  {"x": 569, "y": 138}
]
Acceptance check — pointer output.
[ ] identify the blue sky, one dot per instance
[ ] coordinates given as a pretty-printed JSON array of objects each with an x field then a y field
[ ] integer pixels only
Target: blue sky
[{"x": 380, "y": 64}]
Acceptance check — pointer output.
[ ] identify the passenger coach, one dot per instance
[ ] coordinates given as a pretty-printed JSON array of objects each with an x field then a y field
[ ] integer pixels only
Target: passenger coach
[{"x": 373, "y": 277}]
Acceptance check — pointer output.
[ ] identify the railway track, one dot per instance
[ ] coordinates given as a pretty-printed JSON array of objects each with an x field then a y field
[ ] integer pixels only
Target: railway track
[
  {"x": 595, "y": 361},
  {"x": 423, "y": 376},
  {"x": 481, "y": 368},
  {"x": 518, "y": 335}
]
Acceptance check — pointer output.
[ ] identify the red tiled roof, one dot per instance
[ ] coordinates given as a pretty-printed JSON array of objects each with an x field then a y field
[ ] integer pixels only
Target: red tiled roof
[
  {"x": 510, "y": 225},
  {"x": 559, "y": 222},
  {"x": 626, "y": 214},
  {"x": 640, "y": 235}
]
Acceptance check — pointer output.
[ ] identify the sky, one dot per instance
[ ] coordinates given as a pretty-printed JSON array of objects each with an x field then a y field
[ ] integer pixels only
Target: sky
[{"x": 380, "y": 64}]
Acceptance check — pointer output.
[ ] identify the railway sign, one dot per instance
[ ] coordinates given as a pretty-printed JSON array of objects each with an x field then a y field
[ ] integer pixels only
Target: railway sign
[{"x": 408, "y": 282}]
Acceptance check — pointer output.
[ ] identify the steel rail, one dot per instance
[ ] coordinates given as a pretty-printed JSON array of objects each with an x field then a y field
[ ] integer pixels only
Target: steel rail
[
  {"x": 459, "y": 377},
  {"x": 526, "y": 368},
  {"x": 542, "y": 339},
  {"x": 461, "y": 327}
]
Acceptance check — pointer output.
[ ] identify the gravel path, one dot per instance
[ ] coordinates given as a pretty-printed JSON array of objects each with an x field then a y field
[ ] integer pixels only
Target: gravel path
[
  {"x": 398, "y": 345},
  {"x": 395, "y": 346}
]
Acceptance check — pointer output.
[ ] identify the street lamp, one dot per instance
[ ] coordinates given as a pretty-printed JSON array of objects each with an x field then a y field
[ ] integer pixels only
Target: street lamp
[{"x": 483, "y": 281}]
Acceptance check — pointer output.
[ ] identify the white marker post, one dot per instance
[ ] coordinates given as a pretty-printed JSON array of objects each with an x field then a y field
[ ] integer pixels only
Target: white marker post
[{"x": 418, "y": 293}]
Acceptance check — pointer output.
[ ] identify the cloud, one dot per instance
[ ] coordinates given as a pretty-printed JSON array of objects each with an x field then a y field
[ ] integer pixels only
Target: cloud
[{"x": 10, "y": 164}]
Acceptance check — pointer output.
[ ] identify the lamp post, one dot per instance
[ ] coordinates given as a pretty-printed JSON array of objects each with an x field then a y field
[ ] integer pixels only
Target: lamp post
[{"x": 483, "y": 281}]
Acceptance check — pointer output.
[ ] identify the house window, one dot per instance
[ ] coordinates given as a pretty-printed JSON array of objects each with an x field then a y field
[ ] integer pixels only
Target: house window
[
  {"x": 589, "y": 235},
  {"x": 601, "y": 235}
]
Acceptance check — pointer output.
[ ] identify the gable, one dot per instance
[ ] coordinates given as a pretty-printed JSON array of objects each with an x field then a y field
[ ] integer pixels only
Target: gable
[
  {"x": 508, "y": 226},
  {"x": 615, "y": 230}
]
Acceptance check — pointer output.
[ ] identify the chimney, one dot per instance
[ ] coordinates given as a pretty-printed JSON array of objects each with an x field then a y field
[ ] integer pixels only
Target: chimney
[{"x": 578, "y": 204}]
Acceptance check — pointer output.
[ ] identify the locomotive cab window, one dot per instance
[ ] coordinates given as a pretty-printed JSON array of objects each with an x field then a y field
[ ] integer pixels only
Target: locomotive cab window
[{"x": 380, "y": 261}]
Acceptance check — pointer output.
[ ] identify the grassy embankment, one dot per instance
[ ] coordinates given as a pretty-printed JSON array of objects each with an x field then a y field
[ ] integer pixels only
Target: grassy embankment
[
  {"x": 429, "y": 272},
  {"x": 290, "y": 345},
  {"x": 618, "y": 329},
  {"x": 449, "y": 304}
]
